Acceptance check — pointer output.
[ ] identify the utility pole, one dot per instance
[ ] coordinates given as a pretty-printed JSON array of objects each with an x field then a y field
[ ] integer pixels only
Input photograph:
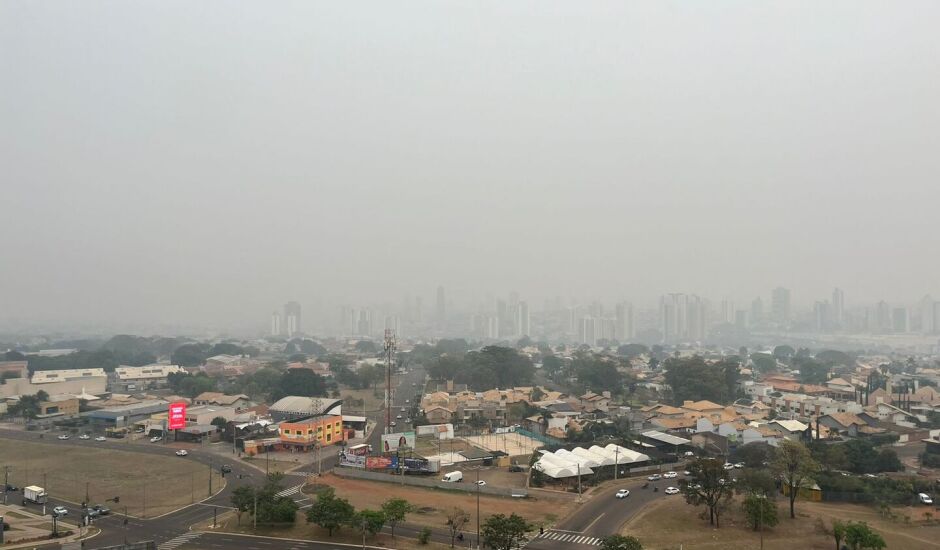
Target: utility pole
[
  {"x": 45, "y": 487},
  {"x": 616, "y": 461},
  {"x": 254, "y": 517},
  {"x": 478, "y": 508},
  {"x": 6, "y": 482},
  {"x": 579, "y": 482},
  {"x": 87, "y": 500},
  {"x": 389, "y": 349},
  {"x": 210, "y": 477}
]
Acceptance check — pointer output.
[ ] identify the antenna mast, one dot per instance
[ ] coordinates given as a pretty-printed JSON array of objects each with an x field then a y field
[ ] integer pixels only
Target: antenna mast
[{"x": 389, "y": 350}]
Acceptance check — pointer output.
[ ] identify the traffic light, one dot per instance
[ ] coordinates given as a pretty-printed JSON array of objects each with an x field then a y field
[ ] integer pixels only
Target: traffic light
[{"x": 117, "y": 499}]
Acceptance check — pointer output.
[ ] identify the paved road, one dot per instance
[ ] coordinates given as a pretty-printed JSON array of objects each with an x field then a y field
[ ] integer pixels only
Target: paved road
[
  {"x": 172, "y": 530},
  {"x": 602, "y": 515}
]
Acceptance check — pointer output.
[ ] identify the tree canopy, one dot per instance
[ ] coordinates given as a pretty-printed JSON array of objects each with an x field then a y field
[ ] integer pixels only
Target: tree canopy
[
  {"x": 695, "y": 379},
  {"x": 795, "y": 467},
  {"x": 330, "y": 511},
  {"x": 303, "y": 382},
  {"x": 502, "y": 532},
  {"x": 620, "y": 542}
]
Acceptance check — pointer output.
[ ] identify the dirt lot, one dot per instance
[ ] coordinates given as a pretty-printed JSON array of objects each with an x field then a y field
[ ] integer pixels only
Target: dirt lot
[
  {"x": 148, "y": 485},
  {"x": 512, "y": 444},
  {"x": 373, "y": 401},
  {"x": 669, "y": 523},
  {"x": 435, "y": 503}
]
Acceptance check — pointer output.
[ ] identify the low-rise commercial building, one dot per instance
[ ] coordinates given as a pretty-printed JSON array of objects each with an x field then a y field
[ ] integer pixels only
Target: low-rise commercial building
[
  {"x": 149, "y": 376},
  {"x": 306, "y": 434}
]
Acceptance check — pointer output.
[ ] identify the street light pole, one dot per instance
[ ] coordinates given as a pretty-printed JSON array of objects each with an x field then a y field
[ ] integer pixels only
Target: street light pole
[
  {"x": 478, "y": 508},
  {"x": 616, "y": 461}
]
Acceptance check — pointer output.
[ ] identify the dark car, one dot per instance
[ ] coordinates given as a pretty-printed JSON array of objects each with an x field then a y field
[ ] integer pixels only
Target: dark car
[
  {"x": 103, "y": 510},
  {"x": 92, "y": 513},
  {"x": 12, "y": 488},
  {"x": 226, "y": 469},
  {"x": 515, "y": 468}
]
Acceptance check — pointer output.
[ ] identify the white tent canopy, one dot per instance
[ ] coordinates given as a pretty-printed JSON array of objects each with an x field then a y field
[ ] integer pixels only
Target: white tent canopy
[
  {"x": 563, "y": 463},
  {"x": 600, "y": 459},
  {"x": 632, "y": 456}
]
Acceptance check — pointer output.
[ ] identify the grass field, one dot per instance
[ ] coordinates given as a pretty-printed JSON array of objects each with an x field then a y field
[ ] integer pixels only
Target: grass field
[
  {"x": 670, "y": 522},
  {"x": 148, "y": 485}
]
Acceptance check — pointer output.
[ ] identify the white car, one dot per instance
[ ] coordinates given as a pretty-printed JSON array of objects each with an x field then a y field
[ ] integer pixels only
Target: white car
[
  {"x": 156, "y": 439},
  {"x": 654, "y": 477},
  {"x": 622, "y": 493},
  {"x": 101, "y": 438},
  {"x": 59, "y": 511},
  {"x": 670, "y": 475},
  {"x": 689, "y": 453},
  {"x": 924, "y": 498},
  {"x": 739, "y": 465},
  {"x": 392, "y": 424},
  {"x": 728, "y": 466},
  {"x": 181, "y": 452},
  {"x": 481, "y": 483},
  {"x": 84, "y": 437},
  {"x": 63, "y": 437},
  {"x": 671, "y": 491}
]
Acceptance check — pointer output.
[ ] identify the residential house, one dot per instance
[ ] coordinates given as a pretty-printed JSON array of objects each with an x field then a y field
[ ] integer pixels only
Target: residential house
[{"x": 239, "y": 401}]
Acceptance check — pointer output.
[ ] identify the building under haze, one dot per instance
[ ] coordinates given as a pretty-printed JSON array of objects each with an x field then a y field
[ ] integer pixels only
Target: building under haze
[
  {"x": 275, "y": 324},
  {"x": 625, "y": 329},
  {"x": 838, "y": 307},
  {"x": 780, "y": 305},
  {"x": 682, "y": 318},
  {"x": 441, "y": 308},
  {"x": 292, "y": 319}
]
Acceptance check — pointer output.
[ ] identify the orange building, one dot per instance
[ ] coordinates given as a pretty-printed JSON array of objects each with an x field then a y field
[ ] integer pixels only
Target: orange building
[{"x": 304, "y": 434}]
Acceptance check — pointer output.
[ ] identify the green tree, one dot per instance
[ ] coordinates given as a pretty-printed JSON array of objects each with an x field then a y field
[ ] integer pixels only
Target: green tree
[
  {"x": 631, "y": 351},
  {"x": 753, "y": 455},
  {"x": 190, "y": 355},
  {"x": 243, "y": 499},
  {"x": 811, "y": 371},
  {"x": 370, "y": 521},
  {"x": 838, "y": 532},
  {"x": 330, "y": 512},
  {"x": 502, "y": 532},
  {"x": 395, "y": 510},
  {"x": 302, "y": 382},
  {"x": 695, "y": 379},
  {"x": 424, "y": 536},
  {"x": 620, "y": 542},
  {"x": 596, "y": 373},
  {"x": 760, "y": 511},
  {"x": 763, "y": 363},
  {"x": 784, "y": 352},
  {"x": 225, "y": 348},
  {"x": 219, "y": 422},
  {"x": 706, "y": 485},
  {"x": 457, "y": 519},
  {"x": 795, "y": 467},
  {"x": 367, "y": 346},
  {"x": 859, "y": 536},
  {"x": 756, "y": 480}
]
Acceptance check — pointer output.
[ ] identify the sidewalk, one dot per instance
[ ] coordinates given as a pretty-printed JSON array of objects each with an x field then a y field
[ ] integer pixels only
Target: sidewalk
[{"x": 28, "y": 530}]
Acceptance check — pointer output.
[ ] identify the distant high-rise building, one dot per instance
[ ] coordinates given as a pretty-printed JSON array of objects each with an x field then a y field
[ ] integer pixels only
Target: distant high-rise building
[
  {"x": 522, "y": 319},
  {"x": 275, "y": 324},
  {"x": 928, "y": 317},
  {"x": 741, "y": 320},
  {"x": 900, "y": 319},
  {"x": 626, "y": 322},
  {"x": 441, "y": 307},
  {"x": 587, "y": 331},
  {"x": 757, "y": 311},
  {"x": 882, "y": 321},
  {"x": 727, "y": 311},
  {"x": 393, "y": 322},
  {"x": 838, "y": 307},
  {"x": 780, "y": 305},
  {"x": 822, "y": 312},
  {"x": 682, "y": 317},
  {"x": 292, "y": 318}
]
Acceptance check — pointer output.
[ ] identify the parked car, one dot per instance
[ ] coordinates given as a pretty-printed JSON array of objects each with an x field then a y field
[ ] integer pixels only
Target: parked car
[
  {"x": 689, "y": 453},
  {"x": 12, "y": 488},
  {"x": 181, "y": 452},
  {"x": 515, "y": 468},
  {"x": 101, "y": 438},
  {"x": 481, "y": 483},
  {"x": 622, "y": 493},
  {"x": 398, "y": 417},
  {"x": 60, "y": 511},
  {"x": 739, "y": 465},
  {"x": 924, "y": 498},
  {"x": 672, "y": 491},
  {"x": 670, "y": 475},
  {"x": 156, "y": 439},
  {"x": 654, "y": 477},
  {"x": 686, "y": 473},
  {"x": 728, "y": 466},
  {"x": 392, "y": 424},
  {"x": 84, "y": 437},
  {"x": 64, "y": 437}
]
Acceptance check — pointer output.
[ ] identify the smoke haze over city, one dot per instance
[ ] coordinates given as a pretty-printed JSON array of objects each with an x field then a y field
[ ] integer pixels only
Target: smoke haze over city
[{"x": 203, "y": 166}]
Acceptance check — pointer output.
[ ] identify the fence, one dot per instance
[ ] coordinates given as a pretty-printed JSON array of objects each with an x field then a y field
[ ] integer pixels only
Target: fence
[
  {"x": 142, "y": 545},
  {"x": 431, "y": 482},
  {"x": 546, "y": 439}
]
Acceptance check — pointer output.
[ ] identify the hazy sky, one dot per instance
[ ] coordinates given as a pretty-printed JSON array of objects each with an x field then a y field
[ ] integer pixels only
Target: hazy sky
[{"x": 209, "y": 161}]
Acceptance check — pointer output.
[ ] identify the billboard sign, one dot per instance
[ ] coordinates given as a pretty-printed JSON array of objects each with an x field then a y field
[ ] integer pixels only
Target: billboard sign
[
  {"x": 352, "y": 460},
  {"x": 401, "y": 440},
  {"x": 382, "y": 462},
  {"x": 177, "y": 416}
]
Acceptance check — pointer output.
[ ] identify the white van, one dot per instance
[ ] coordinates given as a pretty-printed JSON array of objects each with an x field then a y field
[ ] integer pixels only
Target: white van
[{"x": 453, "y": 477}]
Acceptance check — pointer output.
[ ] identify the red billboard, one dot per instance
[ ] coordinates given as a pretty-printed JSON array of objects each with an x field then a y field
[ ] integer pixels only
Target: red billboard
[{"x": 177, "y": 416}]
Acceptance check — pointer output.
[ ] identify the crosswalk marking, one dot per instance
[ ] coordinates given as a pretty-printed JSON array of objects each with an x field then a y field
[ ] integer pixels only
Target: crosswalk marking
[
  {"x": 178, "y": 541},
  {"x": 569, "y": 537},
  {"x": 290, "y": 491}
]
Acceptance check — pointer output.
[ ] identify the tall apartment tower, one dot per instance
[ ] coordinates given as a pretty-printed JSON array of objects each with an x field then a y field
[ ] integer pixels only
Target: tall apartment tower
[
  {"x": 275, "y": 324},
  {"x": 838, "y": 307},
  {"x": 522, "y": 319},
  {"x": 780, "y": 305},
  {"x": 625, "y": 322},
  {"x": 292, "y": 318},
  {"x": 587, "y": 331}
]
